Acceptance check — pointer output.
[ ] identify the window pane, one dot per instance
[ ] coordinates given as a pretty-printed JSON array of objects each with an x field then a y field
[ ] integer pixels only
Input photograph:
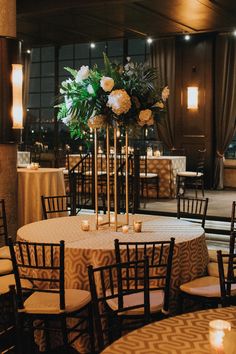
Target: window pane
[
  {"x": 35, "y": 54},
  {"x": 47, "y": 115},
  {"x": 100, "y": 47},
  {"x": 82, "y": 50},
  {"x": 115, "y": 48},
  {"x": 34, "y": 85},
  {"x": 66, "y": 52},
  {"x": 32, "y": 115},
  {"x": 47, "y": 100},
  {"x": 47, "y": 69},
  {"x": 35, "y": 70},
  {"x": 63, "y": 64},
  {"x": 47, "y": 53},
  {"x": 47, "y": 84},
  {"x": 99, "y": 63},
  {"x": 136, "y": 46},
  {"x": 34, "y": 100},
  {"x": 79, "y": 63}
]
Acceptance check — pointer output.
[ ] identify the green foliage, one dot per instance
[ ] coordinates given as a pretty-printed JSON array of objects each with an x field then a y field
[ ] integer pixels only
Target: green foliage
[{"x": 83, "y": 96}]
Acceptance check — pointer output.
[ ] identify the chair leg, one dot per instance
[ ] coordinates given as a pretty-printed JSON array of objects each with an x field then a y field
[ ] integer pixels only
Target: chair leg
[
  {"x": 202, "y": 181},
  {"x": 180, "y": 307},
  {"x": 157, "y": 186},
  {"x": 90, "y": 329},
  {"x": 64, "y": 332}
]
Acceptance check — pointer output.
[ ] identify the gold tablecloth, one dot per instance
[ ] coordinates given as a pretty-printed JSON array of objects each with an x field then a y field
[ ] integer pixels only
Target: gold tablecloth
[
  {"x": 97, "y": 247},
  {"x": 166, "y": 166},
  {"x": 185, "y": 334},
  {"x": 31, "y": 185}
]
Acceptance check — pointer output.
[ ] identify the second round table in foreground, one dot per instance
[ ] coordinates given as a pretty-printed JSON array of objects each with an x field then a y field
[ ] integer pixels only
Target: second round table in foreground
[{"x": 185, "y": 334}]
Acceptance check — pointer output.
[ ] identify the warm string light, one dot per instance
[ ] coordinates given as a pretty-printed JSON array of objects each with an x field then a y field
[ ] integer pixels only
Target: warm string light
[{"x": 17, "y": 106}]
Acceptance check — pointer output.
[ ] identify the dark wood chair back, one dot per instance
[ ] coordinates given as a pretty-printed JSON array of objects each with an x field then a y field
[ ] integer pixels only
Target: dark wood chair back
[
  {"x": 57, "y": 204},
  {"x": 160, "y": 255},
  {"x": 7, "y": 323},
  {"x": 192, "y": 207},
  {"x": 232, "y": 241},
  {"x": 3, "y": 223},
  {"x": 40, "y": 263},
  {"x": 227, "y": 278},
  {"x": 114, "y": 282},
  {"x": 233, "y": 217},
  {"x": 201, "y": 161}
]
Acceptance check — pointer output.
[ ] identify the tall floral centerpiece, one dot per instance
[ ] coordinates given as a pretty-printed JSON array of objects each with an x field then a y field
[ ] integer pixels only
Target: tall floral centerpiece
[{"x": 116, "y": 96}]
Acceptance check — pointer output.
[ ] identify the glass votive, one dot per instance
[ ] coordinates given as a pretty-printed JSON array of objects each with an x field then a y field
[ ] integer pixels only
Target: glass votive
[
  {"x": 85, "y": 225},
  {"x": 157, "y": 153},
  {"x": 217, "y": 330},
  {"x": 125, "y": 229},
  {"x": 137, "y": 226}
]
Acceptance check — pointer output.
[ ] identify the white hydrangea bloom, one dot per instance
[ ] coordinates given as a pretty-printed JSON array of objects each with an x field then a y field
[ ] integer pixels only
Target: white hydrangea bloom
[{"x": 82, "y": 74}]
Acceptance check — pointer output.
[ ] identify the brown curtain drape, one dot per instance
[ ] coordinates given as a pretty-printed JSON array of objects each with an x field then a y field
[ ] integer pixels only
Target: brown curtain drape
[
  {"x": 26, "y": 61},
  {"x": 225, "y": 100},
  {"x": 163, "y": 58}
]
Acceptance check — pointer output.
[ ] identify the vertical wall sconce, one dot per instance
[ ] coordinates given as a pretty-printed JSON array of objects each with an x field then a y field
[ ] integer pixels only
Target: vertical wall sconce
[
  {"x": 192, "y": 97},
  {"x": 17, "y": 104}
]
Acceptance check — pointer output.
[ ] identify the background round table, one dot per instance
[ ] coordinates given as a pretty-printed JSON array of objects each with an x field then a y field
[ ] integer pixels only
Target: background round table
[
  {"x": 31, "y": 185},
  {"x": 185, "y": 334}
]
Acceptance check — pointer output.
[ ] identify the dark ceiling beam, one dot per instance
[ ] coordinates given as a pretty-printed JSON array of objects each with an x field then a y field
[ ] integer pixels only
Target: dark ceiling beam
[
  {"x": 219, "y": 8},
  {"x": 121, "y": 27},
  {"x": 52, "y": 33},
  {"x": 160, "y": 15},
  {"x": 29, "y": 8}
]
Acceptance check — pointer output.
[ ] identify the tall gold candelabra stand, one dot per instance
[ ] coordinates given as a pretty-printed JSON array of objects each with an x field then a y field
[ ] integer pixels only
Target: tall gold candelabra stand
[{"x": 114, "y": 222}]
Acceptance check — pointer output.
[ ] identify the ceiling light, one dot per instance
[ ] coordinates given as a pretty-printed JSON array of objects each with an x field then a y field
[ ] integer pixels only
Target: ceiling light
[
  {"x": 28, "y": 51},
  {"x": 92, "y": 45},
  {"x": 187, "y": 37},
  {"x": 149, "y": 40},
  {"x": 234, "y": 33}
]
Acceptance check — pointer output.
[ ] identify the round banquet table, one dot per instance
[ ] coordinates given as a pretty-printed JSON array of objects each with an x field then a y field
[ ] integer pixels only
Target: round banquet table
[
  {"x": 96, "y": 247},
  {"x": 185, "y": 334},
  {"x": 31, "y": 185}
]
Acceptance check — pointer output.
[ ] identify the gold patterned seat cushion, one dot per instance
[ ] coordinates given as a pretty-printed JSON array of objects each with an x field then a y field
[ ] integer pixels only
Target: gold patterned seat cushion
[
  {"x": 213, "y": 256},
  {"x": 7, "y": 280},
  {"x": 156, "y": 302},
  {"x": 5, "y": 266},
  {"x": 190, "y": 174},
  {"x": 5, "y": 252},
  {"x": 48, "y": 303},
  {"x": 213, "y": 269},
  {"x": 205, "y": 286}
]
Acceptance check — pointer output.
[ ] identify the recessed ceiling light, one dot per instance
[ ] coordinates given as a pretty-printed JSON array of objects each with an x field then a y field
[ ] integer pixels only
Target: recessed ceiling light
[
  {"x": 149, "y": 40},
  {"x": 187, "y": 37},
  {"x": 28, "y": 51},
  {"x": 92, "y": 45}
]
